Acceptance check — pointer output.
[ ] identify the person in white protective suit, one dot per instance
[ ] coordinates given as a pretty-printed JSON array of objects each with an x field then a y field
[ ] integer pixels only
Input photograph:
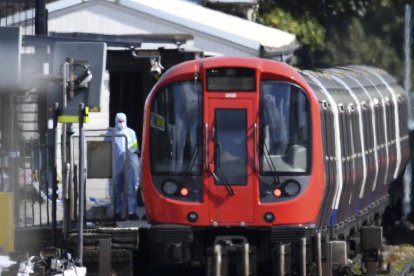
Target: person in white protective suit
[{"x": 125, "y": 134}]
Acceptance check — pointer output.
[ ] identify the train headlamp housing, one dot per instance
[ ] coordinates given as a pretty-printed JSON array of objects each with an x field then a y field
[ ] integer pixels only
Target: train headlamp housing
[
  {"x": 176, "y": 188},
  {"x": 291, "y": 188},
  {"x": 169, "y": 187}
]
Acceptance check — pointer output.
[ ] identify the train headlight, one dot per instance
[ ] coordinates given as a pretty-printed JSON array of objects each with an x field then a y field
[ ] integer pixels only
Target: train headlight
[
  {"x": 169, "y": 187},
  {"x": 277, "y": 192},
  {"x": 291, "y": 188},
  {"x": 184, "y": 191}
]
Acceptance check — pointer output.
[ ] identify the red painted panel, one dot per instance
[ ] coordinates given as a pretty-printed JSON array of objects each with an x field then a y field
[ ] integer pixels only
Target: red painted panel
[{"x": 223, "y": 207}]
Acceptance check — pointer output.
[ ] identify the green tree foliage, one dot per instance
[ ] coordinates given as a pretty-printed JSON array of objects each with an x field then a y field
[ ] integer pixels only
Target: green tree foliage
[
  {"x": 306, "y": 28},
  {"x": 333, "y": 32}
]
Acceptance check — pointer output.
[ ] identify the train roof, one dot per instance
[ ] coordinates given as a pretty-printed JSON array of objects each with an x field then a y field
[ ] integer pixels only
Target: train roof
[
  {"x": 338, "y": 81},
  {"x": 264, "y": 65}
]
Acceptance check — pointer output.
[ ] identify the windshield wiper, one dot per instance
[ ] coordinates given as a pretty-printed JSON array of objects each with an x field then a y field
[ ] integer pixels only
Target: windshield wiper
[
  {"x": 221, "y": 176},
  {"x": 269, "y": 160},
  {"x": 194, "y": 154}
]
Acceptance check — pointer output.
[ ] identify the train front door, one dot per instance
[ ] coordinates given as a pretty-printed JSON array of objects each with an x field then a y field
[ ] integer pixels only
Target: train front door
[{"x": 231, "y": 138}]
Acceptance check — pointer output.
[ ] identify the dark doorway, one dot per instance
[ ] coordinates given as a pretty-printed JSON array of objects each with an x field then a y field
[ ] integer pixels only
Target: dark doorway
[
  {"x": 130, "y": 83},
  {"x": 127, "y": 96}
]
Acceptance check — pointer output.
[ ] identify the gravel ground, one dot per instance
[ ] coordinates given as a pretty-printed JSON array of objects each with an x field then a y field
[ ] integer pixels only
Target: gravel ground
[{"x": 399, "y": 246}]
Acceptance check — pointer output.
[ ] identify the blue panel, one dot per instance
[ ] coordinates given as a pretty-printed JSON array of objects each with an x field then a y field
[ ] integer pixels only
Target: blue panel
[
  {"x": 332, "y": 218},
  {"x": 10, "y": 55},
  {"x": 94, "y": 53}
]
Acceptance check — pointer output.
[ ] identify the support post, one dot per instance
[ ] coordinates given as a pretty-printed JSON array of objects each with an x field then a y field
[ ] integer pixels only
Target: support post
[
  {"x": 54, "y": 175},
  {"x": 41, "y": 18},
  {"x": 65, "y": 171},
  {"x": 217, "y": 259},
  {"x": 105, "y": 257},
  {"x": 319, "y": 253},
  {"x": 408, "y": 183},
  {"x": 280, "y": 260},
  {"x": 303, "y": 256},
  {"x": 246, "y": 259},
  {"x": 81, "y": 180}
]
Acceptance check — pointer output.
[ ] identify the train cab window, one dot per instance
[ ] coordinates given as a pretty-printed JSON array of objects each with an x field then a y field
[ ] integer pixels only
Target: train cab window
[
  {"x": 175, "y": 139},
  {"x": 284, "y": 129},
  {"x": 231, "y": 151}
]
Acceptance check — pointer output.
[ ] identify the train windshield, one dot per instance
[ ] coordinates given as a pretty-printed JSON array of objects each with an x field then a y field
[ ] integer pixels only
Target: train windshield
[
  {"x": 175, "y": 124},
  {"x": 284, "y": 128}
]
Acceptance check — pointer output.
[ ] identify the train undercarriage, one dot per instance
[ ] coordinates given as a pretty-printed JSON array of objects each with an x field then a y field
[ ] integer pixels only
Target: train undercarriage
[{"x": 279, "y": 250}]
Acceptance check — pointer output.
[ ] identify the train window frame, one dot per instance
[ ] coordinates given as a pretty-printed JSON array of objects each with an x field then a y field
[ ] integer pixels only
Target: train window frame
[
  {"x": 308, "y": 146},
  {"x": 199, "y": 171}
]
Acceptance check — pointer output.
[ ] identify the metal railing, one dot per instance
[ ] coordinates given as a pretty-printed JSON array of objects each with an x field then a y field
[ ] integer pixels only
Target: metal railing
[
  {"x": 17, "y": 13},
  {"x": 34, "y": 194},
  {"x": 98, "y": 206},
  {"x": 31, "y": 14}
]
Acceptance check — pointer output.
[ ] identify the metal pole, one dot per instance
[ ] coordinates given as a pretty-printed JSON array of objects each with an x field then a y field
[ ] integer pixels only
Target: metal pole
[
  {"x": 114, "y": 179},
  {"x": 65, "y": 171},
  {"x": 105, "y": 257},
  {"x": 303, "y": 256},
  {"x": 54, "y": 176},
  {"x": 81, "y": 180},
  {"x": 407, "y": 88},
  {"x": 14, "y": 157},
  {"x": 246, "y": 259},
  {"x": 407, "y": 57},
  {"x": 280, "y": 260},
  {"x": 126, "y": 179},
  {"x": 40, "y": 18},
  {"x": 319, "y": 253},
  {"x": 217, "y": 260}
]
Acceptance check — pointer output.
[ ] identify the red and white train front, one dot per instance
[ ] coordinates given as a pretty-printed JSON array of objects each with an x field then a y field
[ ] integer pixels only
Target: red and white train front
[{"x": 231, "y": 146}]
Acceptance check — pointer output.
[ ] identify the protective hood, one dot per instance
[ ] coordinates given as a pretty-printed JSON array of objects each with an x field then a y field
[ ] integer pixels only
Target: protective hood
[{"x": 120, "y": 117}]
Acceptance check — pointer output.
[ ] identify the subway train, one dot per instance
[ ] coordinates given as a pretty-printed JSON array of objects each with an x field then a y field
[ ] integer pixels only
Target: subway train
[{"x": 249, "y": 163}]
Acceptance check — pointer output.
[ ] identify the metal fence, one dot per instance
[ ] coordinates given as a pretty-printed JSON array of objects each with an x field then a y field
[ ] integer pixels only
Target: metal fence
[
  {"x": 31, "y": 14},
  {"x": 33, "y": 195},
  {"x": 18, "y": 12}
]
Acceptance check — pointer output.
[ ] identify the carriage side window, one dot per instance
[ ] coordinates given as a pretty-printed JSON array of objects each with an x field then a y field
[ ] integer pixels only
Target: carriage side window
[
  {"x": 175, "y": 141},
  {"x": 284, "y": 128}
]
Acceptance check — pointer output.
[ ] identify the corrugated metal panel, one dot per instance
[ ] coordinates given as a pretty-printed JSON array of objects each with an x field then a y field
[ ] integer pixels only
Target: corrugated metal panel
[{"x": 108, "y": 19}]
